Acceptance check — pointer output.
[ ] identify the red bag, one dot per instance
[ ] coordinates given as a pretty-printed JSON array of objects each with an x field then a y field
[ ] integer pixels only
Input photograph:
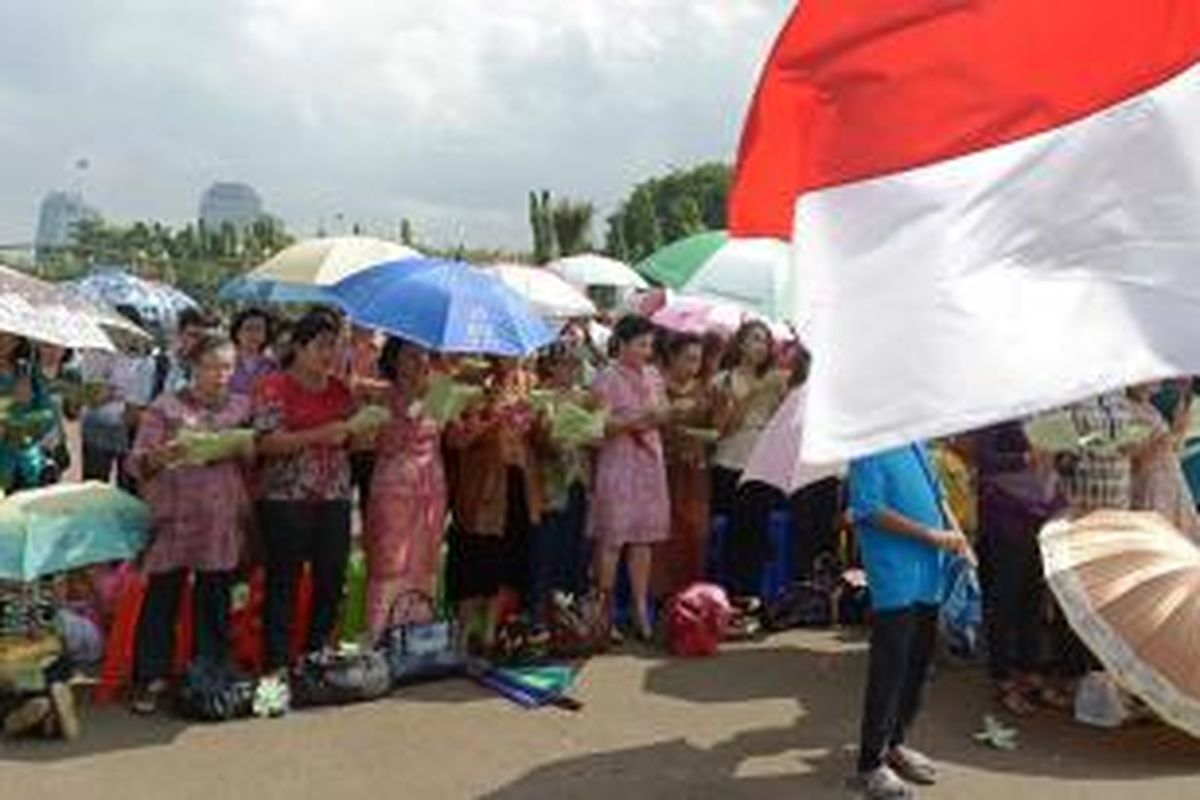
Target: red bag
[
  {"x": 245, "y": 624},
  {"x": 697, "y": 620}
]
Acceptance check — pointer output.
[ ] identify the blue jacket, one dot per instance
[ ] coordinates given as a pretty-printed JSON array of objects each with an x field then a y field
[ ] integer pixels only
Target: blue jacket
[{"x": 901, "y": 571}]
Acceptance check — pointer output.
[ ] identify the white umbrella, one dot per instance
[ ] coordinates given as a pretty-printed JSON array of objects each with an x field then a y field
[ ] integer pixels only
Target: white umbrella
[
  {"x": 548, "y": 294},
  {"x": 755, "y": 273},
  {"x": 324, "y": 262},
  {"x": 56, "y": 314},
  {"x": 776, "y": 458},
  {"x": 595, "y": 270}
]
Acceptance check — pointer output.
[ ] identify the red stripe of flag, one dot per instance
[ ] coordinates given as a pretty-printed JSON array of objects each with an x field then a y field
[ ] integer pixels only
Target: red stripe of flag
[{"x": 857, "y": 89}]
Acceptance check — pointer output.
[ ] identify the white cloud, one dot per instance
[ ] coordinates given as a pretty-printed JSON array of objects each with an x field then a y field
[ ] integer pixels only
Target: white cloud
[{"x": 446, "y": 112}]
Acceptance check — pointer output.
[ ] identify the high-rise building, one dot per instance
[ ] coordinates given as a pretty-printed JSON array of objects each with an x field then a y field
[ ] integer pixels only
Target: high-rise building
[
  {"x": 234, "y": 203},
  {"x": 59, "y": 214}
]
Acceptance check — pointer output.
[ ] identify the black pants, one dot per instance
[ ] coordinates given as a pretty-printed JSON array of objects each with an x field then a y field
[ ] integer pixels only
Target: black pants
[
  {"x": 1010, "y": 571},
  {"x": 295, "y": 534},
  {"x": 98, "y": 465},
  {"x": 815, "y": 512},
  {"x": 362, "y": 472},
  {"x": 902, "y": 643},
  {"x": 160, "y": 611},
  {"x": 559, "y": 552},
  {"x": 747, "y": 546}
]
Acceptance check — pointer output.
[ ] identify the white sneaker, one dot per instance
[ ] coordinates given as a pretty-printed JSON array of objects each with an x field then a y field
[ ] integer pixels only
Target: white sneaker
[
  {"x": 272, "y": 697},
  {"x": 912, "y": 766},
  {"x": 881, "y": 783},
  {"x": 63, "y": 701}
]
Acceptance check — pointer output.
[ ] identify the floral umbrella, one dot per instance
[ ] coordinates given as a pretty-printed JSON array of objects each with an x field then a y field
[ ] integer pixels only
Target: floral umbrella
[{"x": 56, "y": 314}]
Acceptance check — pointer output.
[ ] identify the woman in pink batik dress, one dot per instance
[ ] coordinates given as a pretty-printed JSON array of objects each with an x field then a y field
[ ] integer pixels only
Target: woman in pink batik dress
[
  {"x": 631, "y": 508},
  {"x": 406, "y": 513}
]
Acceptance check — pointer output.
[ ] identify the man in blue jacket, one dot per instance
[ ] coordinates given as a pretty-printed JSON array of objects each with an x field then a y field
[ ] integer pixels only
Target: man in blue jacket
[{"x": 906, "y": 535}]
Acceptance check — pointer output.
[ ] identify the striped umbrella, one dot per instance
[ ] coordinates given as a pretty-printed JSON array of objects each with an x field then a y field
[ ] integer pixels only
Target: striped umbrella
[{"x": 753, "y": 273}]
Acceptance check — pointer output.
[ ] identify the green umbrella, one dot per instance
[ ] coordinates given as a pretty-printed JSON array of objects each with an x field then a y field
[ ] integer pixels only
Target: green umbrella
[
  {"x": 676, "y": 264},
  {"x": 66, "y": 527},
  {"x": 753, "y": 273}
]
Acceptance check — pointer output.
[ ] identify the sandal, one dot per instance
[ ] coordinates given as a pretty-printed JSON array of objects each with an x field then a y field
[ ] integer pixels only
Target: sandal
[
  {"x": 1012, "y": 699},
  {"x": 66, "y": 717},
  {"x": 1050, "y": 697},
  {"x": 146, "y": 698},
  {"x": 28, "y": 716}
]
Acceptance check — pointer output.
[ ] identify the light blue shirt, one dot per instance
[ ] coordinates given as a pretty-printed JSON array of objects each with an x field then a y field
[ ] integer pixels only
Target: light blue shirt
[{"x": 901, "y": 571}]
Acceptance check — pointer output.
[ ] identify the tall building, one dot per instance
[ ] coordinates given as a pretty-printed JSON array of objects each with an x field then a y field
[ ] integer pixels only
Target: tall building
[
  {"x": 234, "y": 203},
  {"x": 60, "y": 213}
]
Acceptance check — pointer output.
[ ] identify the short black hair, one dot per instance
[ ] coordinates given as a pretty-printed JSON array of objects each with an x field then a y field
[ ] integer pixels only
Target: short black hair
[
  {"x": 131, "y": 313},
  {"x": 312, "y": 325},
  {"x": 389, "y": 357},
  {"x": 247, "y": 314},
  {"x": 676, "y": 343},
  {"x": 192, "y": 318},
  {"x": 628, "y": 328}
]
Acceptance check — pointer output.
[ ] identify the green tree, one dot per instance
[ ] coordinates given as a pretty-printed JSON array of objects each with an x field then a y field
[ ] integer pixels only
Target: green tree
[
  {"x": 663, "y": 209},
  {"x": 541, "y": 223},
  {"x": 642, "y": 230},
  {"x": 572, "y": 225},
  {"x": 195, "y": 258}
]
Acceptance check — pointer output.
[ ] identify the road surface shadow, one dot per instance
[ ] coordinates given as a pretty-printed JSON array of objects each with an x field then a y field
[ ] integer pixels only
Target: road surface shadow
[
  {"x": 679, "y": 770},
  {"x": 828, "y": 686},
  {"x": 105, "y": 730}
]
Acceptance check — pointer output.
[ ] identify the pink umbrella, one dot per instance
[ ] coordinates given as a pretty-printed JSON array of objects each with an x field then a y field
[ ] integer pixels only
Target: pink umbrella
[
  {"x": 776, "y": 458},
  {"x": 699, "y": 315}
]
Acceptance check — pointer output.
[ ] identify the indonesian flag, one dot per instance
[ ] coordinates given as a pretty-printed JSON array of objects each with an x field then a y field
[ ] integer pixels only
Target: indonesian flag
[{"x": 995, "y": 205}]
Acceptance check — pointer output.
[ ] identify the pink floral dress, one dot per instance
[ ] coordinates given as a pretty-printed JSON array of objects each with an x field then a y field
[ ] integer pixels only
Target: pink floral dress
[
  {"x": 199, "y": 513},
  {"x": 1158, "y": 480},
  {"x": 406, "y": 516},
  {"x": 630, "y": 501}
]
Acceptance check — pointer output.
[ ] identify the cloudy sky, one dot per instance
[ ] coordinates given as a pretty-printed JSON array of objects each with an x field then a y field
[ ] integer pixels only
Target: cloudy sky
[{"x": 447, "y": 112}]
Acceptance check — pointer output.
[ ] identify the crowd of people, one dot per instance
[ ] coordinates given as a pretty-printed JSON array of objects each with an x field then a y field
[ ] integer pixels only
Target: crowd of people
[
  {"x": 489, "y": 510},
  {"x": 486, "y": 509}
]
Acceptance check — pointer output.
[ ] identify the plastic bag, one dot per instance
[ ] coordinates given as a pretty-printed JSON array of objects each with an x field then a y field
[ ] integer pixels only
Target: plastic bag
[
  {"x": 1099, "y": 702},
  {"x": 962, "y": 612},
  {"x": 697, "y": 620}
]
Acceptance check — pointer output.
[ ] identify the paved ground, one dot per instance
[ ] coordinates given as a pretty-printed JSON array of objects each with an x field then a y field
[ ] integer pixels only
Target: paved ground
[{"x": 772, "y": 720}]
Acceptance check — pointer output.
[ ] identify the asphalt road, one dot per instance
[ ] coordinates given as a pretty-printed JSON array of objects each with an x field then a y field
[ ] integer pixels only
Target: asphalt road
[{"x": 770, "y": 720}]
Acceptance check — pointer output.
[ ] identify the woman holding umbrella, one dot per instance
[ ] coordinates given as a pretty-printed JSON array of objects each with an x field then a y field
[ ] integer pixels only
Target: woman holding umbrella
[{"x": 406, "y": 512}]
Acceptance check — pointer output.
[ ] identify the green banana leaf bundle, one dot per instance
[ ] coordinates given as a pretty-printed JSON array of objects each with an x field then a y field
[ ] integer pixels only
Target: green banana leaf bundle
[
  {"x": 368, "y": 419},
  {"x": 572, "y": 425},
  {"x": 205, "y": 447},
  {"x": 446, "y": 399}
]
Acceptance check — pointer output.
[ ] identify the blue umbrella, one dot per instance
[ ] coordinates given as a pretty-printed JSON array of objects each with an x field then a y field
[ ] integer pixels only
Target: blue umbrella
[
  {"x": 262, "y": 291},
  {"x": 156, "y": 302},
  {"x": 69, "y": 526},
  {"x": 444, "y": 305}
]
